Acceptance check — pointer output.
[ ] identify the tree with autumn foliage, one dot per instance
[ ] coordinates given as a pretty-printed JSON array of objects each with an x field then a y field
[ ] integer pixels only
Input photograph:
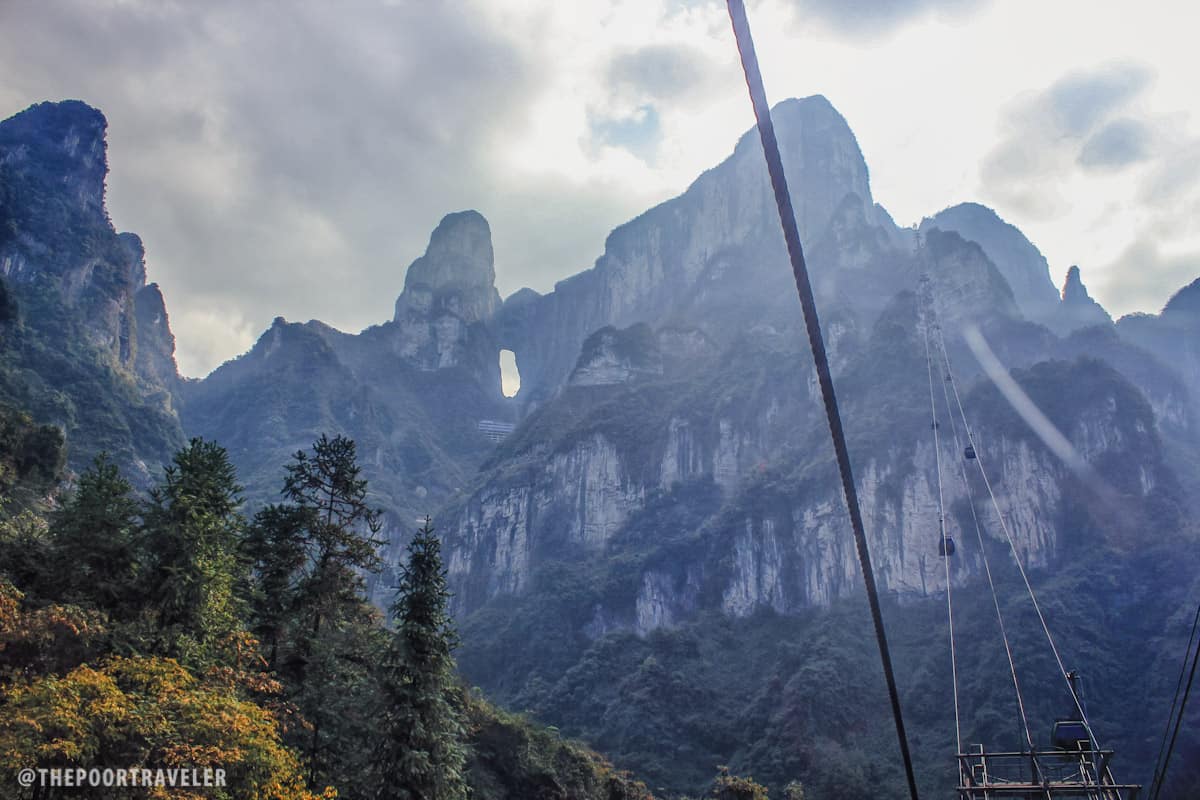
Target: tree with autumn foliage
[
  {"x": 731, "y": 787},
  {"x": 142, "y": 711}
]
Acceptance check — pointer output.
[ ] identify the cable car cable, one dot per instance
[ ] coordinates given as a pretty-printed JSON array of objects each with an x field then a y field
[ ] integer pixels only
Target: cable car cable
[
  {"x": 791, "y": 235},
  {"x": 944, "y": 550},
  {"x": 1175, "y": 700},
  {"x": 987, "y": 567},
  {"x": 1160, "y": 775},
  {"x": 1013, "y": 548}
]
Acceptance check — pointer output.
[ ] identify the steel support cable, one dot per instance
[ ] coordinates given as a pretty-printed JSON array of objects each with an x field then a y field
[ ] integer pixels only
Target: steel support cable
[
  {"x": 1174, "y": 701},
  {"x": 791, "y": 235},
  {"x": 1160, "y": 772},
  {"x": 987, "y": 567},
  {"x": 942, "y": 550},
  {"x": 1013, "y": 548}
]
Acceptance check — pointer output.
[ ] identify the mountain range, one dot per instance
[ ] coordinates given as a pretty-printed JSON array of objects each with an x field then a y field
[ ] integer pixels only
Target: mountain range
[{"x": 657, "y": 556}]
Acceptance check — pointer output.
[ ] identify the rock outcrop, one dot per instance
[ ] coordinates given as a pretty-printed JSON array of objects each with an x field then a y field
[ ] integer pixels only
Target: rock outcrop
[
  {"x": 711, "y": 256},
  {"x": 612, "y": 356},
  {"x": 411, "y": 392},
  {"x": 82, "y": 283},
  {"x": 1023, "y": 266},
  {"x": 446, "y": 291},
  {"x": 1077, "y": 309}
]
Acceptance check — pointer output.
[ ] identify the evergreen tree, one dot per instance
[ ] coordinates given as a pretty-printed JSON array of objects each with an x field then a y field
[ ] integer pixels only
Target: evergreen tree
[
  {"x": 94, "y": 548},
  {"x": 421, "y": 755},
  {"x": 326, "y": 488},
  {"x": 310, "y": 607},
  {"x": 193, "y": 537},
  {"x": 275, "y": 546}
]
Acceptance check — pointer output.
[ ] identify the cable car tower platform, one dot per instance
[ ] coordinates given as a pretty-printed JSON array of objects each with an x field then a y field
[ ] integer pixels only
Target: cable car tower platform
[{"x": 1078, "y": 774}]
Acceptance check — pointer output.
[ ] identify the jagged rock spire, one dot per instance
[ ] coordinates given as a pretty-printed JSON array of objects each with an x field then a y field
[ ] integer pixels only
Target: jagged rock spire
[
  {"x": 457, "y": 274},
  {"x": 1077, "y": 308}
]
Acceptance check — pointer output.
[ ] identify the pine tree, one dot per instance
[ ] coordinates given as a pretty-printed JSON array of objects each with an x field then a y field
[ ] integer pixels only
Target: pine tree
[
  {"x": 276, "y": 547},
  {"x": 193, "y": 535},
  {"x": 310, "y": 607},
  {"x": 328, "y": 489},
  {"x": 421, "y": 755},
  {"x": 94, "y": 553}
]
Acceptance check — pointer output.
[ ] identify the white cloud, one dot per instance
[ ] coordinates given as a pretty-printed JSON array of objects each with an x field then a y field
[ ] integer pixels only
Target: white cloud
[
  {"x": 294, "y": 163},
  {"x": 214, "y": 336}
]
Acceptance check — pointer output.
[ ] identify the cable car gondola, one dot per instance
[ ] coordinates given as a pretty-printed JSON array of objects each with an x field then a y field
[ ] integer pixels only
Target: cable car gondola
[
  {"x": 1071, "y": 734},
  {"x": 969, "y": 453},
  {"x": 945, "y": 546}
]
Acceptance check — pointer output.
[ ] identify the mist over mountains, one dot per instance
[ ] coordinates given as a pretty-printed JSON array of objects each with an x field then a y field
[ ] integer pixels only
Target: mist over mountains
[{"x": 657, "y": 556}]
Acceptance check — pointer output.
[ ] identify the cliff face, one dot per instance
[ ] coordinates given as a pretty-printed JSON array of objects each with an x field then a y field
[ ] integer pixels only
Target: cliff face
[
  {"x": 93, "y": 351},
  {"x": 706, "y": 256},
  {"x": 1021, "y": 264},
  {"x": 581, "y": 475},
  {"x": 447, "y": 291},
  {"x": 1172, "y": 336},
  {"x": 410, "y": 392}
]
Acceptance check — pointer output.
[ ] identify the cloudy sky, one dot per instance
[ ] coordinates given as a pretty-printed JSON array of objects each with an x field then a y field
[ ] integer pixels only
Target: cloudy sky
[{"x": 291, "y": 158}]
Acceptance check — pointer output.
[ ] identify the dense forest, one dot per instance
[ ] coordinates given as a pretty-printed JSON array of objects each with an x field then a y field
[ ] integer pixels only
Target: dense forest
[{"x": 172, "y": 631}]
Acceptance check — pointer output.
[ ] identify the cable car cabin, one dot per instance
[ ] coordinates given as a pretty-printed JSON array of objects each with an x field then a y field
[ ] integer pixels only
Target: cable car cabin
[
  {"x": 1071, "y": 734},
  {"x": 945, "y": 546},
  {"x": 969, "y": 452}
]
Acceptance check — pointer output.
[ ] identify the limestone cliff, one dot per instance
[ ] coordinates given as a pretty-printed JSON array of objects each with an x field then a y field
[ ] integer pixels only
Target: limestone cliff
[
  {"x": 1020, "y": 262},
  {"x": 449, "y": 289},
  {"x": 411, "y": 392},
  {"x": 582, "y": 472},
  {"x": 709, "y": 256},
  {"x": 93, "y": 352}
]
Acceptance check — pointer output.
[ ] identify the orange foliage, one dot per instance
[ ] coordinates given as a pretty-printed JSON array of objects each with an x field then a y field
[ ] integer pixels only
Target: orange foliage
[{"x": 147, "y": 712}]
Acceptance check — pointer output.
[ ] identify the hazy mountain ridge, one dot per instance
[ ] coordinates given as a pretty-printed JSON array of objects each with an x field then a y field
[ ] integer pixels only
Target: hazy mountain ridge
[
  {"x": 410, "y": 392},
  {"x": 670, "y": 472}
]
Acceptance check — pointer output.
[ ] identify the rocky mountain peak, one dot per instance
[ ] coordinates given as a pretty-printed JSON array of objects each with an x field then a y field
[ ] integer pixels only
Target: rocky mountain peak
[
  {"x": 1019, "y": 261},
  {"x": 1073, "y": 291},
  {"x": 458, "y": 267},
  {"x": 62, "y": 143},
  {"x": 448, "y": 292},
  {"x": 965, "y": 282},
  {"x": 820, "y": 152},
  {"x": 1077, "y": 309},
  {"x": 1185, "y": 302}
]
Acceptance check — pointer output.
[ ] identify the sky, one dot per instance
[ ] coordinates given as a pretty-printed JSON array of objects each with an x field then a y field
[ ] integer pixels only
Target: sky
[{"x": 291, "y": 158}]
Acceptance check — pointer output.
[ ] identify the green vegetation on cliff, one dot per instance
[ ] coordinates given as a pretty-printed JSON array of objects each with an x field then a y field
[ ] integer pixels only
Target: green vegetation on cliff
[{"x": 126, "y": 641}]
